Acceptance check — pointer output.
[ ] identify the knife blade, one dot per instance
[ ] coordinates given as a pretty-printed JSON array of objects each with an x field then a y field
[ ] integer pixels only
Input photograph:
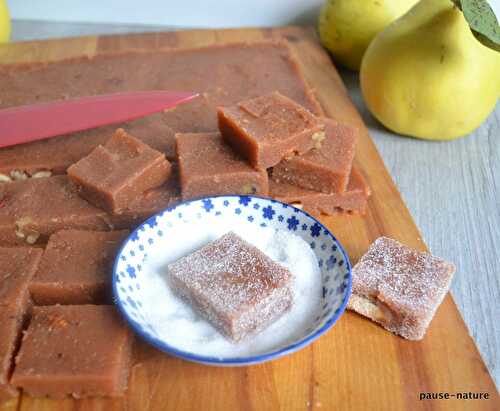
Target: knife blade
[{"x": 28, "y": 123}]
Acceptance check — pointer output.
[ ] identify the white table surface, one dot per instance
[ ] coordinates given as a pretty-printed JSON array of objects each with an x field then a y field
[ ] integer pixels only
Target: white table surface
[
  {"x": 452, "y": 190},
  {"x": 182, "y": 14}
]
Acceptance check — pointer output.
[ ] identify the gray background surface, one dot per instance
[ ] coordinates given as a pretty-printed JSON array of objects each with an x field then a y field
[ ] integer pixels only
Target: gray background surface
[{"x": 452, "y": 190}]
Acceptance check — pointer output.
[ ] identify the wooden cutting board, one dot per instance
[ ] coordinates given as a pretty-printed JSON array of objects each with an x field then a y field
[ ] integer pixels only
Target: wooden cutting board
[{"x": 357, "y": 365}]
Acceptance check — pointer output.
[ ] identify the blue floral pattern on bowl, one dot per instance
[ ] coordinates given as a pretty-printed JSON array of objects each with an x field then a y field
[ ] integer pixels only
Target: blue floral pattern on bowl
[{"x": 333, "y": 263}]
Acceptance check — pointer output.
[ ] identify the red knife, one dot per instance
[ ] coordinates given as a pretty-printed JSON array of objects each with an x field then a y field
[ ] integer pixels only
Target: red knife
[{"x": 38, "y": 121}]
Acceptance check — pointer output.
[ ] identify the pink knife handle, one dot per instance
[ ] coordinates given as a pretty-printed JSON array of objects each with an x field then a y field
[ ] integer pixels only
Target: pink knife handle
[{"x": 35, "y": 122}]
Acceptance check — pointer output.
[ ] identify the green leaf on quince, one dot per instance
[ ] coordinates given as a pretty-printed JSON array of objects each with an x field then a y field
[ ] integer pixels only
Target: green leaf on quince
[{"x": 482, "y": 21}]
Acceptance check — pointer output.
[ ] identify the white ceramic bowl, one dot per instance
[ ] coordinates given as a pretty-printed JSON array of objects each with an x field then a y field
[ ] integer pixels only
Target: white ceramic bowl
[{"x": 130, "y": 275}]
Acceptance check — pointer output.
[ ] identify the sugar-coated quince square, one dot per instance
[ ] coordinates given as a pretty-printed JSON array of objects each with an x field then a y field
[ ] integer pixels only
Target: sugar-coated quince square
[
  {"x": 399, "y": 287},
  {"x": 234, "y": 285}
]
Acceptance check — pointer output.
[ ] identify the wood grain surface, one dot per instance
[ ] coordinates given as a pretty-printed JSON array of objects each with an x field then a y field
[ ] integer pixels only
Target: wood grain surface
[
  {"x": 451, "y": 189},
  {"x": 357, "y": 365}
]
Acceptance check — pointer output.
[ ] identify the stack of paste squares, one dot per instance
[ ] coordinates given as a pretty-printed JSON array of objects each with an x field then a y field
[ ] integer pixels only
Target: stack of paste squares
[
  {"x": 56, "y": 304},
  {"x": 74, "y": 341},
  {"x": 56, "y": 301},
  {"x": 309, "y": 159},
  {"x": 67, "y": 203}
]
